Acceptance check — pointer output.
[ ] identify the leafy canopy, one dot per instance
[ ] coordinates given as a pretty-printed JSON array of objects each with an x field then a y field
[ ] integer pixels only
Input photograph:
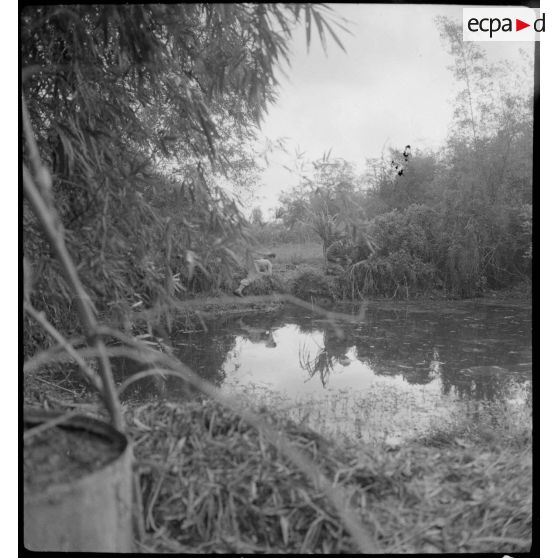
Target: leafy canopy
[{"x": 140, "y": 113}]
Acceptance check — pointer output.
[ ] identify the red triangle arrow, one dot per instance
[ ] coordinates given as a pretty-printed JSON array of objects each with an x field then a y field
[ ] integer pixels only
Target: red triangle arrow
[{"x": 519, "y": 25}]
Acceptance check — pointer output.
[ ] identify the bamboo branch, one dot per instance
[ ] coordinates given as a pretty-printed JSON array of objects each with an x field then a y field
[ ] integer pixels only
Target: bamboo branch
[
  {"x": 88, "y": 374},
  {"x": 148, "y": 373},
  {"x": 140, "y": 354},
  {"x": 54, "y": 232},
  {"x": 28, "y": 434},
  {"x": 191, "y": 305},
  {"x": 41, "y": 173},
  {"x": 41, "y": 358},
  {"x": 170, "y": 365},
  {"x": 337, "y": 495}
]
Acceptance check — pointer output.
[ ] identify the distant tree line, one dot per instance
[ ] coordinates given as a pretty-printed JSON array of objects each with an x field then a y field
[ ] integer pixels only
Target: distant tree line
[{"x": 459, "y": 218}]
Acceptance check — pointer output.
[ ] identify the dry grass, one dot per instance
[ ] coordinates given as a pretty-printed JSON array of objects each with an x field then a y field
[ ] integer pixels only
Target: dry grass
[{"x": 212, "y": 483}]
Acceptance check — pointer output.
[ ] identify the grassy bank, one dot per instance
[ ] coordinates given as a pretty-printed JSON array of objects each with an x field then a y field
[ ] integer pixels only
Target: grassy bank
[
  {"x": 212, "y": 483},
  {"x": 299, "y": 269},
  {"x": 297, "y": 253}
]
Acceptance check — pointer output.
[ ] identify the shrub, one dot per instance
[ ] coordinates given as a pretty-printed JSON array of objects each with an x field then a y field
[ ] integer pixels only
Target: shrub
[
  {"x": 463, "y": 266},
  {"x": 265, "y": 285},
  {"x": 397, "y": 274},
  {"x": 310, "y": 285},
  {"x": 404, "y": 263}
]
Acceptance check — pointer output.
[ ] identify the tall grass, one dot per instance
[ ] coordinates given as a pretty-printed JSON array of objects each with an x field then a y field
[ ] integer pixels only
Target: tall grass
[{"x": 298, "y": 253}]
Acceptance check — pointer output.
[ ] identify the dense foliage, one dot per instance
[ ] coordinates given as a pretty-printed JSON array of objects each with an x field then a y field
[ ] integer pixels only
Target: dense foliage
[
  {"x": 458, "y": 219},
  {"x": 142, "y": 114}
]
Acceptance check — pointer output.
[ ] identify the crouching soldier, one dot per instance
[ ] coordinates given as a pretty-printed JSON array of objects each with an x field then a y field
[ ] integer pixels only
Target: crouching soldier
[{"x": 262, "y": 267}]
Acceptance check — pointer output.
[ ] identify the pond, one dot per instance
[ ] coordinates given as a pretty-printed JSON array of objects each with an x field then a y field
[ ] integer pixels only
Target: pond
[{"x": 402, "y": 369}]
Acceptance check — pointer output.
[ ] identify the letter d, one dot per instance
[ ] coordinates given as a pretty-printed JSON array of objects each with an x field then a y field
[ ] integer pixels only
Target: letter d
[{"x": 541, "y": 30}]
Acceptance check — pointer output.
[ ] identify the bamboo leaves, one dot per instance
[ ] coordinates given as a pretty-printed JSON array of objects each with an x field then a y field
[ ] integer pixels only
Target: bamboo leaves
[{"x": 127, "y": 101}]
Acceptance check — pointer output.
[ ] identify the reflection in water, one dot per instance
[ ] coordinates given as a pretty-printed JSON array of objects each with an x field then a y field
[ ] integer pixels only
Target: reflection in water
[
  {"x": 257, "y": 334},
  {"x": 405, "y": 367},
  {"x": 333, "y": 351},
  {"x": 321, "y": 365}
]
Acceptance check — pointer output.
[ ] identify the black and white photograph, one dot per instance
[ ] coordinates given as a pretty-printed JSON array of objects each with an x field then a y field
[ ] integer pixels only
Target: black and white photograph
[{"x": 277, "y": 278}]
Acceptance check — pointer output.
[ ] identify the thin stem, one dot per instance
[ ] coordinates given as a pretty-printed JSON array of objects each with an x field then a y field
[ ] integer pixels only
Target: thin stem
[
  {"x": 31, "y": 143},
  {"x": 46, "y": 217},
  {"x": 52, "y": 227},
  {"x": 28, "y": 434},
  {"x": 40, "y": 318},
  {"x": 170, "y": 365}
]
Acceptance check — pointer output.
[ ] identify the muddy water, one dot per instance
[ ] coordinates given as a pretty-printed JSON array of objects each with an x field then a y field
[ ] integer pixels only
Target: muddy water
[{"x": 405, "y": 367}]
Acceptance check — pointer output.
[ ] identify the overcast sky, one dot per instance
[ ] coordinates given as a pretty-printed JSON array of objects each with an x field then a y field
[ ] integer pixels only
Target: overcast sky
[{"x": 392, "y": 87}]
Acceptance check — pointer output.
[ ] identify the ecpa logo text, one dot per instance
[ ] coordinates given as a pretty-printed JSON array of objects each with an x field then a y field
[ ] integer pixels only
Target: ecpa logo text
[
  {"x": 503, "y": 24},
  {"x": 494, "y": 24}
]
